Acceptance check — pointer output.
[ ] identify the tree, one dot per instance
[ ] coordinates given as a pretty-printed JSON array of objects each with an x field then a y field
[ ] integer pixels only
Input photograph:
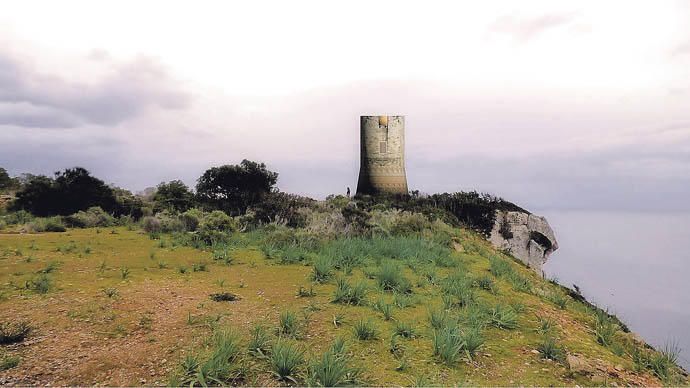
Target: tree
[
  {"x": 6, "y": 182},
  {"x": 72, "y": 190},
  {"x": 174, "y": 195},
  {"x": 233, "y": 188}
]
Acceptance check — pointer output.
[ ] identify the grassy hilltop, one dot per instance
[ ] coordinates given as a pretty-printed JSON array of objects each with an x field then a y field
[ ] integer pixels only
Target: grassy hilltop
[{"x": 365, "y": 297}]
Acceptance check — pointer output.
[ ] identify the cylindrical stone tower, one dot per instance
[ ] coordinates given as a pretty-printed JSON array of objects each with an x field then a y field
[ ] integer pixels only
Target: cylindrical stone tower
[{"x": 382, "y": 155}]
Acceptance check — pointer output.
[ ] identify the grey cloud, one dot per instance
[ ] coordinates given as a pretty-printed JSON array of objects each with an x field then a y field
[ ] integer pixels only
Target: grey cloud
[
  {"x": 34, "y": 99},
  {"x": 524, "y": 29}
]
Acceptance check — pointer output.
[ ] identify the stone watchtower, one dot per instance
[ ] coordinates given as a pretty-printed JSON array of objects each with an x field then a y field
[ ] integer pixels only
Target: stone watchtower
[{"x": 382, "y": 155}]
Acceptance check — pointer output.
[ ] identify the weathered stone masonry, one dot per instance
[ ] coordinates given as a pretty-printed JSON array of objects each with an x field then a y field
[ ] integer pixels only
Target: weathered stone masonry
[{"x": 382, "y": 156}]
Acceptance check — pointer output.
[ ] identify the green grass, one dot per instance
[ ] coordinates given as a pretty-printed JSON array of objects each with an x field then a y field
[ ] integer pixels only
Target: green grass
[
  {"x": 322, "y": 269},
  {"x": 503, "y": 317},
  {"x": 346, "y": 293},
  {"x": 259, "y": 341},
  {"x": 404, "y": 329},
  {"x": 286, "y": 360},
  {"x": 365, "y": 329},
  {"x": 288, "y": 324},
  {"x": 604, "y": 328},
  {"x": 390, "y": 277},
  {"x": 333, "y": 368},
  {"x": 549, "y": 349},
  {"x": 384, "y": 308}
]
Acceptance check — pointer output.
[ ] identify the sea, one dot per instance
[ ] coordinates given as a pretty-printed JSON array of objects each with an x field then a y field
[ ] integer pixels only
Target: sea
[{"x": 636, "y": 264}]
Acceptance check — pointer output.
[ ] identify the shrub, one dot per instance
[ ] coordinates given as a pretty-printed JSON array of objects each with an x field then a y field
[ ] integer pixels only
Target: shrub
[
  {"x": 191, "y": 219},
  {"x": 219, "y": 221},
  {"x": 51, "y": 224},
  {"x": 662, "y": 363},
  {"x": 365, "y": 330},
  {"x": 286, "y": 359},
  {"x": 13, "y": 332},
  {"x": 91, "y": 217},
  {"x": 151, "y": 224}
]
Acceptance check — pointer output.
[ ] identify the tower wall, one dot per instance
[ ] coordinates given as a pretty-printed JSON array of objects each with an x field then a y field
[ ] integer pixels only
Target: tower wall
[{"x": 382, "y": 155}]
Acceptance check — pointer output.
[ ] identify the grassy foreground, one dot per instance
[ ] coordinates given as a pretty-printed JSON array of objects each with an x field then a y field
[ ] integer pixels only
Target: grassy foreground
[{"x": 112, "y": 306}]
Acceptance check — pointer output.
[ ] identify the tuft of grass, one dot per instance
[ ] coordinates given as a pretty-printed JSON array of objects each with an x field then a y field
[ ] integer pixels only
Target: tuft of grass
[
  {"x": 259, "y": 341},
  {"x": 302, "y": 292},
  {"x": 345, "y": 293},
  {"x": 332, "y": 368},
  {"x": 447, "y": 344},
  {"x": 199, "y": 267},
  {"x": 499, "y": 267},
  {"x": 558, "y": 299},
  {"x": 9, "y": 362},
  {"x": 288, "y": 324},
  {"x": 111, "y": 292},
  {"x": 403, "y": 300},
  {"x": 338, "y": 319},
  {"x": 40, "y": 284},
  {"x": 604, "y": 327},
  {"x": 457, "y": 291},
  {"x": 365, "y": 330},
  {"x": 323, "y": 269},
  {"x": 162, "y": 265},
  {"x": 549, "y": 349},
  {"x": 222, "y": 367},
  {"x": 545, "y": 325},
  {"x": 286, "y": 360},
  {"x": 11, "y": 333},
  {"x": 384, "y": 308},
  {"x": 50, "y": 267},
  {"x": 182, "y": 269},
  {"x": 486, "y": 283},
  {"x": 438, "y": 318},
  {"x": 124, "y": 273},
  {"x": 503, "y": 317},
  {"x": 520, "y": 283},
  {"x": 390, "y": 277},
  {"x": 404, "y": 329}
]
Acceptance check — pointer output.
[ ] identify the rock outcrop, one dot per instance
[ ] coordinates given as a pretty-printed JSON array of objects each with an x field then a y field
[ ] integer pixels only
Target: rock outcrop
[{"x": 526, "y": 236}]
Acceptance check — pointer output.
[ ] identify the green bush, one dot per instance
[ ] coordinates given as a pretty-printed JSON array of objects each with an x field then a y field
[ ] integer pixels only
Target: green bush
[
  {"x": 323, "y": 269},
  {"x": 91, "y": 217},
  {"x": 191, "y": 219},
  {"x": 50, "y": 224},
  {"x": 549, "y": 349},
  {"x": 503, "y": 317},
  {"x": 218, "y": 221}
]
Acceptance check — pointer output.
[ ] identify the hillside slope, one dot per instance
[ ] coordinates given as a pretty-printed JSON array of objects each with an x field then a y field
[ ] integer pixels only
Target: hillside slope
[{"x": 116, "y": 306}]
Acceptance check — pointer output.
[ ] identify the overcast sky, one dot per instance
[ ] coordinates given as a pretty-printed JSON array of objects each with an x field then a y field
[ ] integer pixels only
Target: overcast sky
[{"x": 553, "y": 105}]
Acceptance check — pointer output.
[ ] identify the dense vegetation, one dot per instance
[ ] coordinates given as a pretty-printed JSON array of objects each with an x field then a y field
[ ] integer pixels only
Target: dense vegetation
[{"x": 246, "y": 285}]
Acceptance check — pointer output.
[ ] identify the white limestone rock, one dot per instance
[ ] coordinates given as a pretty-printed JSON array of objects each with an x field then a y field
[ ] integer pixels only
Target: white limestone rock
[{"x": 526, "y": 236}]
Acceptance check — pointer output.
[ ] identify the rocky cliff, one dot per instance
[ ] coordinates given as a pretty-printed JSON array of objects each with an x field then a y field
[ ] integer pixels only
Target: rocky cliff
[{"x": 527, "y": 237}]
